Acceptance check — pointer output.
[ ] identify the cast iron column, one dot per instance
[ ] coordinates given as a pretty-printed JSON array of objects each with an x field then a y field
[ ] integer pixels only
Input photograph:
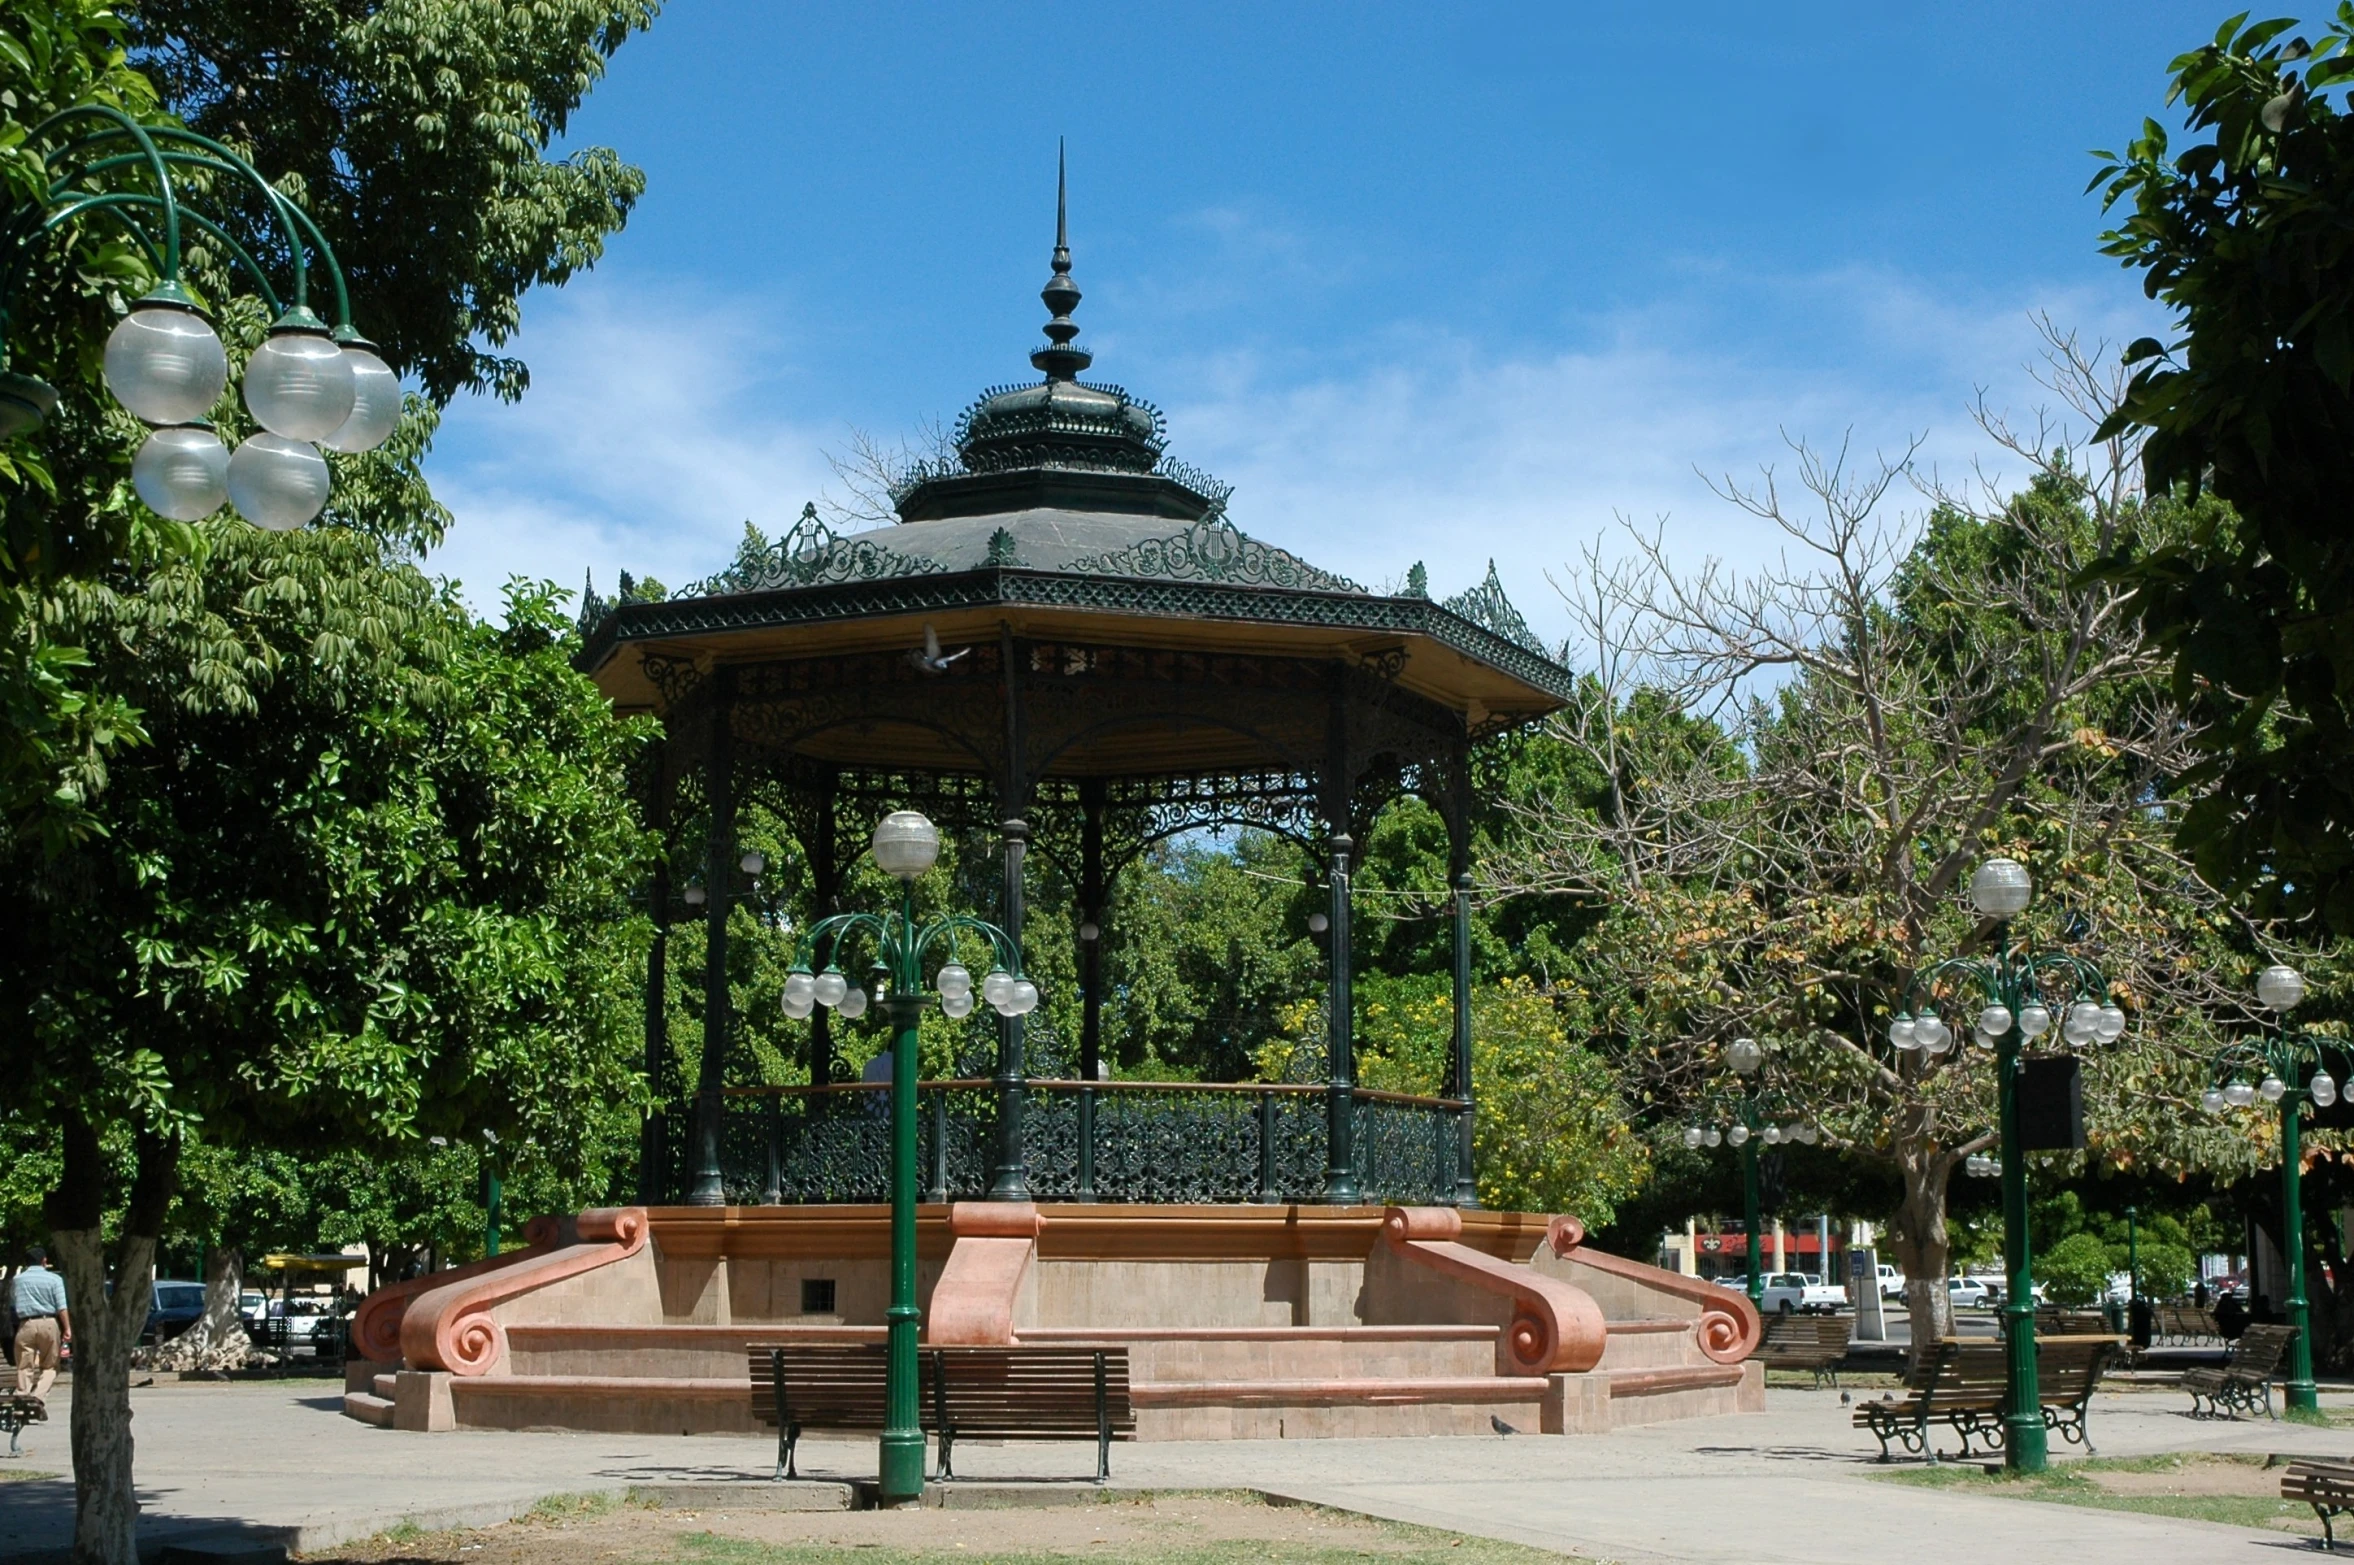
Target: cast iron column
[
  {"x": 1340, "y": 1101},
  {"x": 1752, "y": 1217},
  {"x": 1091, "y": 900},
  {"x": 1010, "y": 1180},
  {"x": 1459, "y": 875},
  {"x": 653, "y": 1136},
  {"x": 719, "y": 877},
  {"x": 825, "y": 885}
]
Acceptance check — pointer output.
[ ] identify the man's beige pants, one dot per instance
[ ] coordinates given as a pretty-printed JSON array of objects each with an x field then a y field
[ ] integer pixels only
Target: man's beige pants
[{"x": 36, "y": 1356}]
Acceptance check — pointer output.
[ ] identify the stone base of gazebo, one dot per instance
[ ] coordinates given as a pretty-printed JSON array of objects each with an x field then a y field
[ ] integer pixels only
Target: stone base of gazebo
[{"x": 1241, "y": 1322}]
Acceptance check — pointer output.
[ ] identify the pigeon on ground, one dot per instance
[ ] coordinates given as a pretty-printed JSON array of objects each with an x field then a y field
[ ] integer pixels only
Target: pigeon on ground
[
  {"x": 1500, "y": 1427},
  {"x": 930, "y": 660}
]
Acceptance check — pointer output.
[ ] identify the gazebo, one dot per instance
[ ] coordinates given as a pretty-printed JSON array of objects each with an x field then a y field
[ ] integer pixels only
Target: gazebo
[
  {"x": 1064, "y": 647},
  {"x": 1111, "y": 662}
]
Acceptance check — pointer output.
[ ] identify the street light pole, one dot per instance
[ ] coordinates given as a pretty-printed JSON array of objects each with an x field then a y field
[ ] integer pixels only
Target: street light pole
[
  {"x": 1750, "y": 1219},
  {"x": 906, "y": 845},
  {"x": 2011, "y": 984},
  {"x": 2282, "y": 1058},
  {"x": 1750, "y": 1129}
]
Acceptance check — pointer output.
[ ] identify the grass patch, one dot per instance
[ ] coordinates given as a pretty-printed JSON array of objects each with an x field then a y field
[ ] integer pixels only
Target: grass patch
[
  {"x": 1395, "y": 1545},
  {"x": 572, "y": 1507},
  {"x": 23, "y": 1475},
  {"x": 2192, "y": 1485}
]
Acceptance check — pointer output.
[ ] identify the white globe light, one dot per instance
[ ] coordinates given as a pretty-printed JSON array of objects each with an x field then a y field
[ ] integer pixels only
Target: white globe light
[
  {"x": 957, "y": 1006},
  {"x": 2034, "y": 1021},
  {"x": 799, "y": 986},
  {"x": 695, "y": 895},
  {"x": 165, "y": 363},
  {"x": 276, "y": 482},
  {"x": 2083, "y": 1023},
  {"x": 1715, "y": 1137},
  {"x": 1738, "y": 1134},
  {"x": 1693, "y": 1135},
  {"x": 1930, "y": 1028},
  {"x": 2324, "y": 1090},
  {"x": 1901, "y": 1034},
  {"x": 906, "y": 844},
  {"x": 1318, "y": 923},
  {"x": 2278, "y": 988},
  {"x": 796, "y": 1009},
  {"x": 954, "y": 979},
  {"x": 1744, "y": 1055},
  {"x": 1090, "y": 930},
  {"x": 2213, "y": 1100},
  {"x": 828, "y": 987},
  {"x": 2272, "y": 1089},
  {"x": 853, "y": 1004},
  {"x": 375, "y": 403},
  {"x": 1986, "y": 1040},
  {"x": 2239, "y": 1094},
  {"x": 1809, "y": 1133},
  {"x": 1995, "y": 1020},
  {"x": 2001, "y": 888},
  {"x": 299, "y": 384},
  {"x": 753, "y": 862},
  {"x": 1024, "y": 997},
  {"x": 2111, "y": 1026},
  {"x": 1771, "y": 1135},
  {"x": 182, "y": 472},
  {"x": 997, "y": 988}
]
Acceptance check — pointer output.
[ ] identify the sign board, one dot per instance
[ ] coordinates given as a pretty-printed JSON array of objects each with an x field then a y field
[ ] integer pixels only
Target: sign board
[{"x": 2051, "y": 1104}]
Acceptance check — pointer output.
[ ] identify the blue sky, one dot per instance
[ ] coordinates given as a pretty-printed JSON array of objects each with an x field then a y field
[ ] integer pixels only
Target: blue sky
[{"x": 1436, "y": 283}]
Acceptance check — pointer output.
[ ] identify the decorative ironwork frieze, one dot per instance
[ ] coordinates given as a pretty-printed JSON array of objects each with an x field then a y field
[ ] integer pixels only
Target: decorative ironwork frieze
[
  {"x": 1486, "y": 606},
  {"x": 1215, "y": 550},
  {"x": 810, "y": 554}
]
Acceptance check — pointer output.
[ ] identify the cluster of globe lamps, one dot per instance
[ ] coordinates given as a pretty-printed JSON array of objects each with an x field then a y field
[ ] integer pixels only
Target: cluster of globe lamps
[
  {"x": 2278, "y": 989},
  {"x": 905, "y": 845},
  {"x": 1745, "y": 1055},
  {"x": 306, "y": 386}
]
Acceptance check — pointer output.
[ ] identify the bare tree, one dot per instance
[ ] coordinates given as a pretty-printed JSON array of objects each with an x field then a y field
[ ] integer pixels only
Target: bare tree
[
  {"x": 1895, "y": 699},
  {"x": 873, "y": 475}
]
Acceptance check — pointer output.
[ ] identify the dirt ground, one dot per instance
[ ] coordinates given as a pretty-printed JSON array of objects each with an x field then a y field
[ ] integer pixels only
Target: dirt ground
[
  {"x": 2191, "y": 1474},
  {"x": 1202, "y": 1528}
]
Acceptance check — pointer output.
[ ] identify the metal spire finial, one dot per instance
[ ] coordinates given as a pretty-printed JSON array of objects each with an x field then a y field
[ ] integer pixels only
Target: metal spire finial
[{"x": 1060, "y": 360}]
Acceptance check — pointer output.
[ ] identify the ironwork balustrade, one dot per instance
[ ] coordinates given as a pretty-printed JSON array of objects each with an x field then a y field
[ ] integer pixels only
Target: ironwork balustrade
[{"x": 1142, "y": 1142}]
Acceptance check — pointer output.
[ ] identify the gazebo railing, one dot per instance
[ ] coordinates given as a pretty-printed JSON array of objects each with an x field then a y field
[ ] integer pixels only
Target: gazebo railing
[{"x": 1142, "y": 1142}]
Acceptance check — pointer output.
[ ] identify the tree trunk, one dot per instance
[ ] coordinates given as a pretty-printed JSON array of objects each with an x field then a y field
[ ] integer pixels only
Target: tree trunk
[
  {"x": 217, "y": 1340},
  {"x": 106, "y": 1505},
  {"x": 1917, "y": 1230}
]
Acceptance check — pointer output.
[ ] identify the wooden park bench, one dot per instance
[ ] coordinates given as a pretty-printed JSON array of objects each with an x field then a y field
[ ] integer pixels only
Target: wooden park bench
[
  {"x": 1029, "y": 1393},
  {"x": 2326, "y": 1486},
  {"x": 2185, "y": 1323},
  {"x": 18, "y": 1411},
  {"x": 1964, "y": 1385},
  {"x": 979, "y": 1393},
  {"x": 2052, "y": 1320},
  {"x": 2244, "y": 1383},
  {"x": 1809, "y": 1342}
]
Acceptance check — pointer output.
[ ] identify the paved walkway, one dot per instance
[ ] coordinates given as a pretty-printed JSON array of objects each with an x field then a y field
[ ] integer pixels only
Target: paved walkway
[{"x": 1792, "y": 1484}]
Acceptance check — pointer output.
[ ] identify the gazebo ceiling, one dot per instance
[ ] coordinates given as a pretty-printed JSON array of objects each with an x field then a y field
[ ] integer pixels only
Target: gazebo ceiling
[{"x": 1062, "y": 524}]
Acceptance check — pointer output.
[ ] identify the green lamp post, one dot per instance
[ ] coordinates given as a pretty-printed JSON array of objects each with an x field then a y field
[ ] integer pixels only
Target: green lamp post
[
  {"x": 2015, "y": 986},
  {"x": 307, "y": 385},
  {"x": 2277, "y": 1061},
  {"x": 905, "y": 846},
  {"x": 1751, "y": 1127}
]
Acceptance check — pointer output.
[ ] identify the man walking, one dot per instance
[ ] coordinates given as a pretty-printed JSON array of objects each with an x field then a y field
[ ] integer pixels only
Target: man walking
[{"x": 42, "y": 1324}]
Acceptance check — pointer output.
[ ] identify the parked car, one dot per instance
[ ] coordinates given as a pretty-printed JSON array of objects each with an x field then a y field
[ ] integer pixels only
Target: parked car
[
  {"x": 1966, "y": 1293},
  {"x": 1800, "y": 1293},
  {"x": 295, "y": 1329},
  {"x": 1891, "y": 1282},
  {"x": 175, "y": 1307}
]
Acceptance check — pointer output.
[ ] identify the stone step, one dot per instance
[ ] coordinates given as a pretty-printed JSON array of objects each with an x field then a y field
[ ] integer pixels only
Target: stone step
[
  {"x": 1653, "y": 1396},
  {"x": 369, "y": 1408},
  {"x": 386, "y": 1386}
]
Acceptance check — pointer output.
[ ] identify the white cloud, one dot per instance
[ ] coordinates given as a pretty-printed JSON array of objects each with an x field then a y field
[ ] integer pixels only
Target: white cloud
[
  {"x": 658, "y": 422},
  {"x": 652, "y": 431}
]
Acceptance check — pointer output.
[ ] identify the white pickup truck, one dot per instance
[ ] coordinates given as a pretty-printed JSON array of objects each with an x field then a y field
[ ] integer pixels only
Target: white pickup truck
[{"x": 1800, "y": 1293}]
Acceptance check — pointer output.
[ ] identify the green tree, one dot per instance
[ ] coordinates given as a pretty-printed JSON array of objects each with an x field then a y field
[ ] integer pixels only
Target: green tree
[{"x": 2242, "y": 236}]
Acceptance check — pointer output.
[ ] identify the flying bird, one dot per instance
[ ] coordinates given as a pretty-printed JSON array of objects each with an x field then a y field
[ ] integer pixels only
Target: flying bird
[{"x": 930, "y": 660}]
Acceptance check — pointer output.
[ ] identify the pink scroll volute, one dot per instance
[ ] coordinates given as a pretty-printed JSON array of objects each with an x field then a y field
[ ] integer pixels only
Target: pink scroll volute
[
  {"x": 376, "y": 1329},
  {"x": 1729, "y": 1328},
  {"x": 450, "y": 1327}
]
